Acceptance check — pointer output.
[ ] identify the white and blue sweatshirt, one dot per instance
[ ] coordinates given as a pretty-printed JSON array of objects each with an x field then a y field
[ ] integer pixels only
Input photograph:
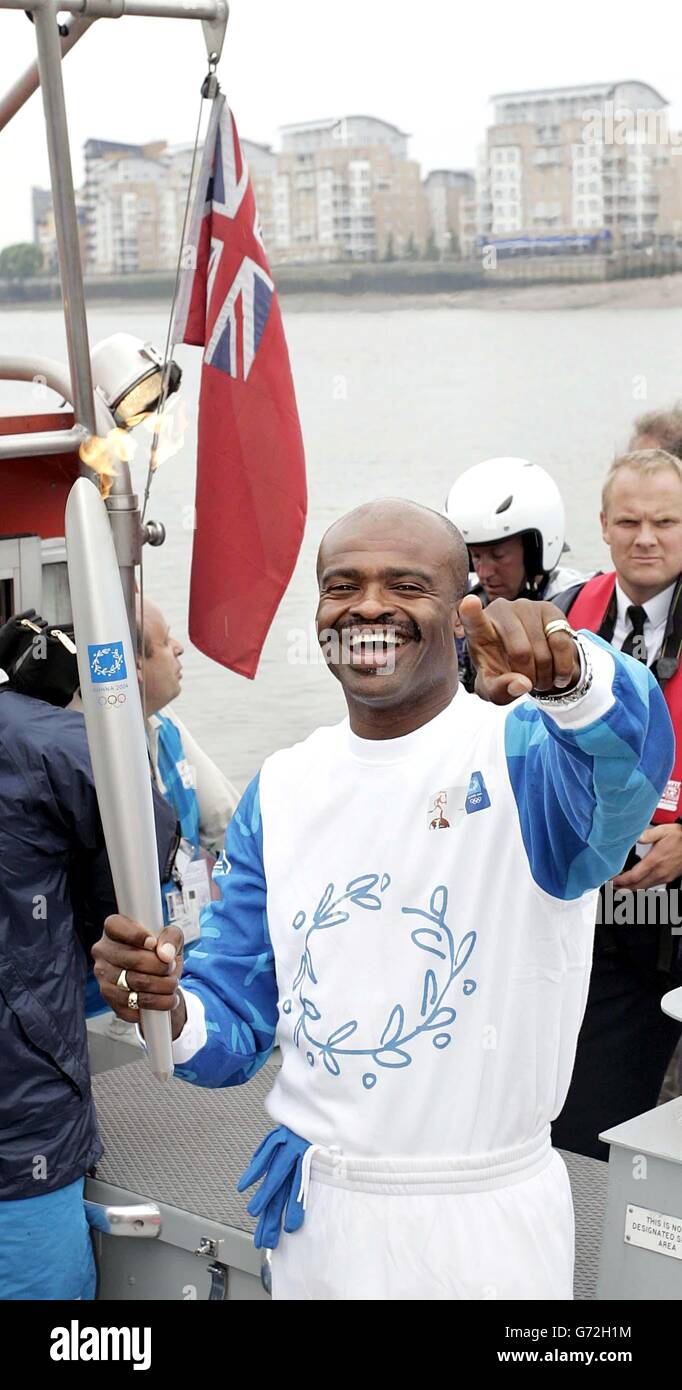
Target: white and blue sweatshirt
[{"x": 411, "y": 919}]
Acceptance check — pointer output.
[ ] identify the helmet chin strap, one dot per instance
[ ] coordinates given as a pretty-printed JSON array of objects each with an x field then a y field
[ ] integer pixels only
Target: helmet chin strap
[
  {"x": 537, "y": 584},
  {"x": 532, "y": 550}
]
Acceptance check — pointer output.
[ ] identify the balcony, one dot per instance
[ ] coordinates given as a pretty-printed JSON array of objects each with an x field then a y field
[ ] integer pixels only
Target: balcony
[
  {"x": 547, "y": 134},
  {"x": 547, "y": 157}
]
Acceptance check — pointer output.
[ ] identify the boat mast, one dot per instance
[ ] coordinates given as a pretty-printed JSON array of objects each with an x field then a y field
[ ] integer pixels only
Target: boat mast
[{"x": 122, "y": 503}]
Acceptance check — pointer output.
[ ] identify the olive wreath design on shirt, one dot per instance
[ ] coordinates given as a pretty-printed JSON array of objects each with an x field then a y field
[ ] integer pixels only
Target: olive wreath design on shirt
[{"x": 429, "y": 1014}]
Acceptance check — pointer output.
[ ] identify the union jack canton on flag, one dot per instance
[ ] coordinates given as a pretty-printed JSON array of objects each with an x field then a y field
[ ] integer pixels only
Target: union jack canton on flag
[{"x": 251, "y": 486}]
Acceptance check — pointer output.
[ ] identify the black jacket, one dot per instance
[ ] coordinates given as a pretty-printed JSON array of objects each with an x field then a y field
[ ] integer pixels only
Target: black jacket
[{"x": 55, "y": 891}]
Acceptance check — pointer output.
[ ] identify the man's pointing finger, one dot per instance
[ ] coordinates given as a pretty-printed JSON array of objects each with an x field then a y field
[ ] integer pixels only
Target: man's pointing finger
[{"x": 477, "y": 626}]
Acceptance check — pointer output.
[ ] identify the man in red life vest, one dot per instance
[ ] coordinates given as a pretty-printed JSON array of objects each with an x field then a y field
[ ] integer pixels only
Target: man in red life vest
[
  {"x": 626, "y": 1042},
  {"x": 658, "y": 429}
]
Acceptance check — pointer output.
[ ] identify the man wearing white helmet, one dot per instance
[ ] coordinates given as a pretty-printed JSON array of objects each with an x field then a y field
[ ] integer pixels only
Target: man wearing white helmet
[{"x": 511, "y": 515}]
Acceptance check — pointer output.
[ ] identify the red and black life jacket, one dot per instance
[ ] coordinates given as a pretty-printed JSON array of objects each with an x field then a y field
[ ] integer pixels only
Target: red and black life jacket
[{"x": 594, "y": 608}]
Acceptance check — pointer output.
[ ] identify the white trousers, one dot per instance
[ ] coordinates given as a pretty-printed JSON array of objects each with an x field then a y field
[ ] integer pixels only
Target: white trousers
[{"x": 499, "y": 1226}]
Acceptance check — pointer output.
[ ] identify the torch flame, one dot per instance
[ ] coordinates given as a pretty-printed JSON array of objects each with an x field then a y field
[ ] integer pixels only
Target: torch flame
[
  {"x": 170, "y": 425},
  {"x": 102, "y": 453}
]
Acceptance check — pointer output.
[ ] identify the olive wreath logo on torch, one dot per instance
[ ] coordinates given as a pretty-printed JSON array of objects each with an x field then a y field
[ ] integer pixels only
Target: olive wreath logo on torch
[{"x": 107, "y": 663}]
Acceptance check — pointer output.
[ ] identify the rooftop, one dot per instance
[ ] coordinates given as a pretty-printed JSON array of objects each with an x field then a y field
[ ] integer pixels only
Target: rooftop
[
  {"x": 328, "y": 122},
  {"x": 256, "y": 144},
  {"x": 604, "y": 89},
  {"x": 459, "y": 173}
]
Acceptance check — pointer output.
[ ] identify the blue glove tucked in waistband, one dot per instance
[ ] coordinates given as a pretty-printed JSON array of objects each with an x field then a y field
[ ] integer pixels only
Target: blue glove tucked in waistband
[{"x": 279, "y": 1161}]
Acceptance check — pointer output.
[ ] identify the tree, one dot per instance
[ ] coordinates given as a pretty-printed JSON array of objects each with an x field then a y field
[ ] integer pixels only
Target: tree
[
  {"x": 411, "y": 248},
  {"x": 453, "y": 248},
  {"x": 20, "y": 261},
  {"x": 431, "y": 250},
  {"x": 389, "y": 249}
]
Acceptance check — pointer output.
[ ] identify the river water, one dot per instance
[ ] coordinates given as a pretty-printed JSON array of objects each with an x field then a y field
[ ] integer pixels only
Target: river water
[{"x": 392, "y": 402}]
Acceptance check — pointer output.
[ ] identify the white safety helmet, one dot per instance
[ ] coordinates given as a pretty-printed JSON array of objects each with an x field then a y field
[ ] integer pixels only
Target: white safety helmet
[
  {"x": 128, "y": 373},
  {"x": 506, "y": 497}
]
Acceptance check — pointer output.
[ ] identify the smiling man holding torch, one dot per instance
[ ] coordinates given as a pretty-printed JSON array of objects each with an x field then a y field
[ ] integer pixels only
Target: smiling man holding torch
[{"x": 425, "y": 977}]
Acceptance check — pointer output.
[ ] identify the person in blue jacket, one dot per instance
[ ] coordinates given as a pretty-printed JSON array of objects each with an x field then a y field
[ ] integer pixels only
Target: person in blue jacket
[{"x": 55, "y": 892}]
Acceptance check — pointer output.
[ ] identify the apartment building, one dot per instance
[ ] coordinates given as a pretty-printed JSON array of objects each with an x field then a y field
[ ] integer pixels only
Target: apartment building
[
  {"x": 44, "y": 230},
  {"x": 44, "y": 234},
  {"x": 574, "y": 159},
  {"x": 131, "y": 201},
  {"x": 669, "y": 183},
  {"x": 345, "y": 188},
  {"x": 177, "y": 162},
  {"x": 468, "y": 225},
  {"x": 262, "y": 162},
  {"x": 451, "y": 202},
  {"x": 135, "y": 198}
]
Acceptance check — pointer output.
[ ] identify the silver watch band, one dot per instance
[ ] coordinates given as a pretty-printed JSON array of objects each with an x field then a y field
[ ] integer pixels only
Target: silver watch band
[{"x": 567, "y": 698}]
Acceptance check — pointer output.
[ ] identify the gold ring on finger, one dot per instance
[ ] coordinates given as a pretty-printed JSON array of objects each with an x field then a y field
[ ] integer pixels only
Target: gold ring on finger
[
  {"x": 558, "y": 625},
  {"x": 132, "y": 1000}
]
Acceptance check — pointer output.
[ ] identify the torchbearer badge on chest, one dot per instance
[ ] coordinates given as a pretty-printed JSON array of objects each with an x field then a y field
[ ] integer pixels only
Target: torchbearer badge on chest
[
  {"x": 446, "y": 807},
  {"x": 477, "y": 798},
  {"x": 450, "y": 804}
]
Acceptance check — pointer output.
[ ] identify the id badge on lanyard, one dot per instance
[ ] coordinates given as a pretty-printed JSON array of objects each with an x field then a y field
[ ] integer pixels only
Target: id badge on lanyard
[{"x": 191, "y": 892}]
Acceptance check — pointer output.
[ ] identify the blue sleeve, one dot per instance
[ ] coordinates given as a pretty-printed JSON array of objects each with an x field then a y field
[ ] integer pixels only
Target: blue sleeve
[
  {"x": 231, "y": 967},
  {"x": 585, "y": 795}
]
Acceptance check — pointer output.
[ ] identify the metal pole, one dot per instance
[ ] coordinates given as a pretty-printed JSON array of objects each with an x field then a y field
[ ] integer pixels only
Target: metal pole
[
  {"x": 18, "y": 95},
  {"x": 66, "y": 222},
  {"x": 212, "y": 13},
  {"x": 47, "y": 373},
  {"x": 212, "y": 10},
  {"x": 14, "y": 446}
]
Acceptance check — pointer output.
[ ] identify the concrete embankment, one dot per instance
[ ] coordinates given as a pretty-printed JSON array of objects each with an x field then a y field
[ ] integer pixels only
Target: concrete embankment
[{"x": 628, "y": 280}]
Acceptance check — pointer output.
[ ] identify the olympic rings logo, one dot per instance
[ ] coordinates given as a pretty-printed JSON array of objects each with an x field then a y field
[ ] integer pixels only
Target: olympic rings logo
[{"x": 111, "y": 699}]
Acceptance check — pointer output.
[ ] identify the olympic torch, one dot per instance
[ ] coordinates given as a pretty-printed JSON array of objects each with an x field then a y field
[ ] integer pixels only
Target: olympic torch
[{"x": 115, "y": 729}]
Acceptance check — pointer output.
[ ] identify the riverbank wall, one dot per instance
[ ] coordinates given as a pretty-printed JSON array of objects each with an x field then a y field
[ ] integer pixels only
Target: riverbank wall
[{"x": 394, "y": 278}]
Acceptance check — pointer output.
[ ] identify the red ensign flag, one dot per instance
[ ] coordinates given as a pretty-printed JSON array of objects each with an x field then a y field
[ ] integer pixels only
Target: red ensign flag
[{"x": 251, "y": 487}]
